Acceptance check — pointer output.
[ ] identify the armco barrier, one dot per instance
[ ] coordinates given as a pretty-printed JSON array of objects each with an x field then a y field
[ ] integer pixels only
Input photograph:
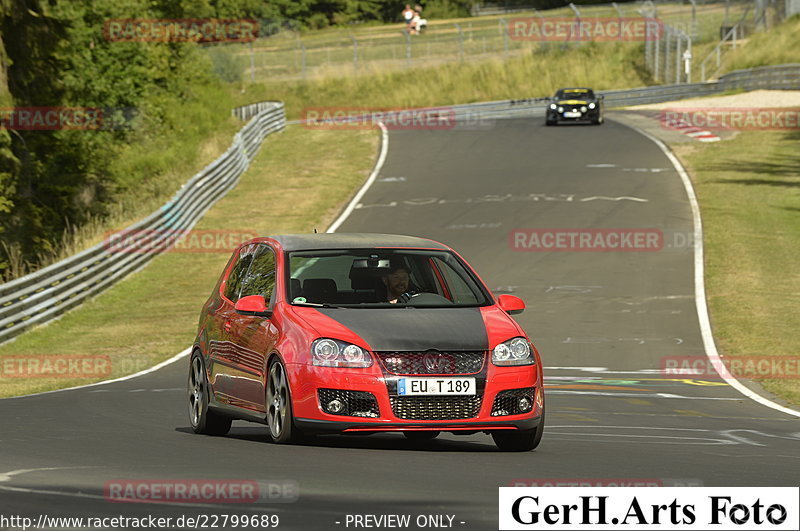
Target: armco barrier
[
  {"x": 49, "y": 292},
  {"x": 783, "y": 77}
]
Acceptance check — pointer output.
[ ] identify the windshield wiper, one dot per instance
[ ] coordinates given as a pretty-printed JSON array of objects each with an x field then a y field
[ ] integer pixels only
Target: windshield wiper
[{"x": 317, "y": 305}]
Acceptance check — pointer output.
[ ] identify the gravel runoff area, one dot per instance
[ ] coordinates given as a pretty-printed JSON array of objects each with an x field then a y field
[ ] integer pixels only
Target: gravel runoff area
[{"x": 754, "y": 99}]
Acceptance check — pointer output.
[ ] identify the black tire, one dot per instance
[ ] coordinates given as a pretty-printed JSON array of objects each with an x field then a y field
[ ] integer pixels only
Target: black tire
[
  {"x": 280, "y": 414},
  {"x": 599, "y": 120},
  {"x": 519, "y": 441},
  {"x": 203, "y": 419},
  {"x": 421, "y": 435},
  {"x": 550, "y": 122}
]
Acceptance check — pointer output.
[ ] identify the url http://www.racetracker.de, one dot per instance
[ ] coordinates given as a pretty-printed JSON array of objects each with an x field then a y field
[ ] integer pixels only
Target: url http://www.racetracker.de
[{"x": 198, "y": 521}]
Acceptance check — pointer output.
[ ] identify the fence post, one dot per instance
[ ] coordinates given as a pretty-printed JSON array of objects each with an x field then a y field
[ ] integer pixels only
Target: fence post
[
  {"x": 252, "y": 63},
  {"x": 687, "y": 57},
  {"x": 578, "y": 17},
  {"x": 408, "y": 49},
  {"x": 693, "y": 28},
  {"x": 460, "y": 43},
  {"x": 355, "y": 52},
  {"x": 668, "y": 31},
  {"x": 303, "y": 57},
  {"x": 657, "y": 55},
  {"x": 619, "y": 20},
  {"x": 503, "y": 24},
  {"x": 678, "y": 58}
]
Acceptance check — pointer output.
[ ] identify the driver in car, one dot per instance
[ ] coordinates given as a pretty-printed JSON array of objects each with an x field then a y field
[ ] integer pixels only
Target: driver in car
[{"x": 396, "y": 282}]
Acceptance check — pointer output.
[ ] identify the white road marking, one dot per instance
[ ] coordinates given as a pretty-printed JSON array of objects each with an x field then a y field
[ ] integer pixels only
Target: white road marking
[
  {"x": 700, "y": 289},
  {"x": 667, "y": 396},
  {"x": 154, "y": 368},
  {"x": 620, "y": 198},
  {"x": 6, "y": 476},
  {"x": 372, "y": 176}
]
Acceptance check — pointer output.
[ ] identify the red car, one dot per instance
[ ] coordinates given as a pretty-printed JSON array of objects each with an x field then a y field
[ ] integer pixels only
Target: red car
[{"x": 363, "y": 333}]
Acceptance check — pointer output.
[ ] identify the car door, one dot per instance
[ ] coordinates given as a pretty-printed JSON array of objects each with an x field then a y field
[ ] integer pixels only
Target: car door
[
  {"x": 255, "y": 336},
  {"x": 222, "y": 366}
]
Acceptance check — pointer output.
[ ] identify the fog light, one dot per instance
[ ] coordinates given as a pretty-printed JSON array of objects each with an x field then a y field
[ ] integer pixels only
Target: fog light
[
  {"x": 335, "y": 406},
  {"x": 525, "y": 404}
]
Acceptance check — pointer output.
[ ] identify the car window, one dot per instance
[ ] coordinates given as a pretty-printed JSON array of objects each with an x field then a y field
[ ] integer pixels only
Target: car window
[
  {"x": 455, "y": 284},
  {"x": 233, "y": 285},
  {"x": 260, "y": 277},
  {"x": 361, "y": 277}
]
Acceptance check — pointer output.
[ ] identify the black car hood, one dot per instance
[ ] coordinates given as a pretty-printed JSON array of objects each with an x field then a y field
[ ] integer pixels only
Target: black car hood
[{"x": 415, "y": 329}]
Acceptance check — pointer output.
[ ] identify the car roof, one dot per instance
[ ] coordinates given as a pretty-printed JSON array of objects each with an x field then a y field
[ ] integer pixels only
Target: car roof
[
  {"x": 582, "y": 89},
  {"x": 309, "y": 242}
]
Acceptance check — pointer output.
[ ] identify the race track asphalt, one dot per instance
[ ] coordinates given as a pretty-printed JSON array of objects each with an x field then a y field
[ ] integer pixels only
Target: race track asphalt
[{"x": 604, "y": 323}]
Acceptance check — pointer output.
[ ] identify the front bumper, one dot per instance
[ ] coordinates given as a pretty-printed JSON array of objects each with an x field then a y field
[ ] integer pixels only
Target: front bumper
[
  {"x": 307, "y": 381},
  {"x": 555, "y": 116},
  {"x": 315, "y": 426}
]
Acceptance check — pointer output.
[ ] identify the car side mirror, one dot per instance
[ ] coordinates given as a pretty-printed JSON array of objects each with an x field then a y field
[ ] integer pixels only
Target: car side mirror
[
  {"x": 252, "y": 305},
  {"x": 511, "y": 304}
]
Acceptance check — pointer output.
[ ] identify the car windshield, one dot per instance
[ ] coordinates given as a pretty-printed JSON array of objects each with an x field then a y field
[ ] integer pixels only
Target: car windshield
[
  {"x": 376, "y": 278},
  {"x": 565, "y": 94}
]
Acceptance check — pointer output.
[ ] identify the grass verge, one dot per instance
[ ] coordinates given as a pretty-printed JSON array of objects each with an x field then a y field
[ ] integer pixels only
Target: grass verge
[
  {"x": 534, "y": 74},
  {"x": 749, "y": 193},
  {"x": 152, "y": 315}
]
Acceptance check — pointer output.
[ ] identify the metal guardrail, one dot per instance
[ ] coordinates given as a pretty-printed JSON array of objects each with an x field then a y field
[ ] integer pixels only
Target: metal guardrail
[
  {"x": 781, "y": 77},
  {"x": 472, "y": 114},
  {"x": 41, "y": 296},
  {"x": 51, "y": 291}
]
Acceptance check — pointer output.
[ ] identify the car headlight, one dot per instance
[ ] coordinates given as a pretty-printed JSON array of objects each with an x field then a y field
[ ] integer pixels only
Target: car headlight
[
  {"x": 583, "y": 109},
  {"x": 553, "y": 106},
  {"x": 335, "y": 353},
  {"x": 516, "y": 351},
  {"x": 592, "y": 105},
  {"x": 561, "y": 109}
]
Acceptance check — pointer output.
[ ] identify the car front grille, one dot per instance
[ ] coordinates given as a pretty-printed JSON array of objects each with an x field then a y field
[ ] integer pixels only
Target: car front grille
[
  {"x": 433, "y": 362},
  {"x": 356, "y": 403},
  {"x": 436, "y": 407},
  {"x": 507, "y": 402}
]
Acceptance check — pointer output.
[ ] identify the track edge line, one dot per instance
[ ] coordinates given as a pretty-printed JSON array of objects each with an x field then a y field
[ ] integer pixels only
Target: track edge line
[
  {"x": 709, "y": 345},
  {"x": 371, "y": 179}
]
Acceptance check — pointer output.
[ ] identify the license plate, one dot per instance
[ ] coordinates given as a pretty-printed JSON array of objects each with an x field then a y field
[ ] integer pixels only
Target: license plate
[
  {"x": 570, "y": 114},
  {"x": 435, "y": 386}
]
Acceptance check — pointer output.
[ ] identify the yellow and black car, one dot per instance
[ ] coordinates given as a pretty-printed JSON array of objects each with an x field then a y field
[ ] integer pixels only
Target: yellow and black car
[{"x": 575, "y": 105}]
